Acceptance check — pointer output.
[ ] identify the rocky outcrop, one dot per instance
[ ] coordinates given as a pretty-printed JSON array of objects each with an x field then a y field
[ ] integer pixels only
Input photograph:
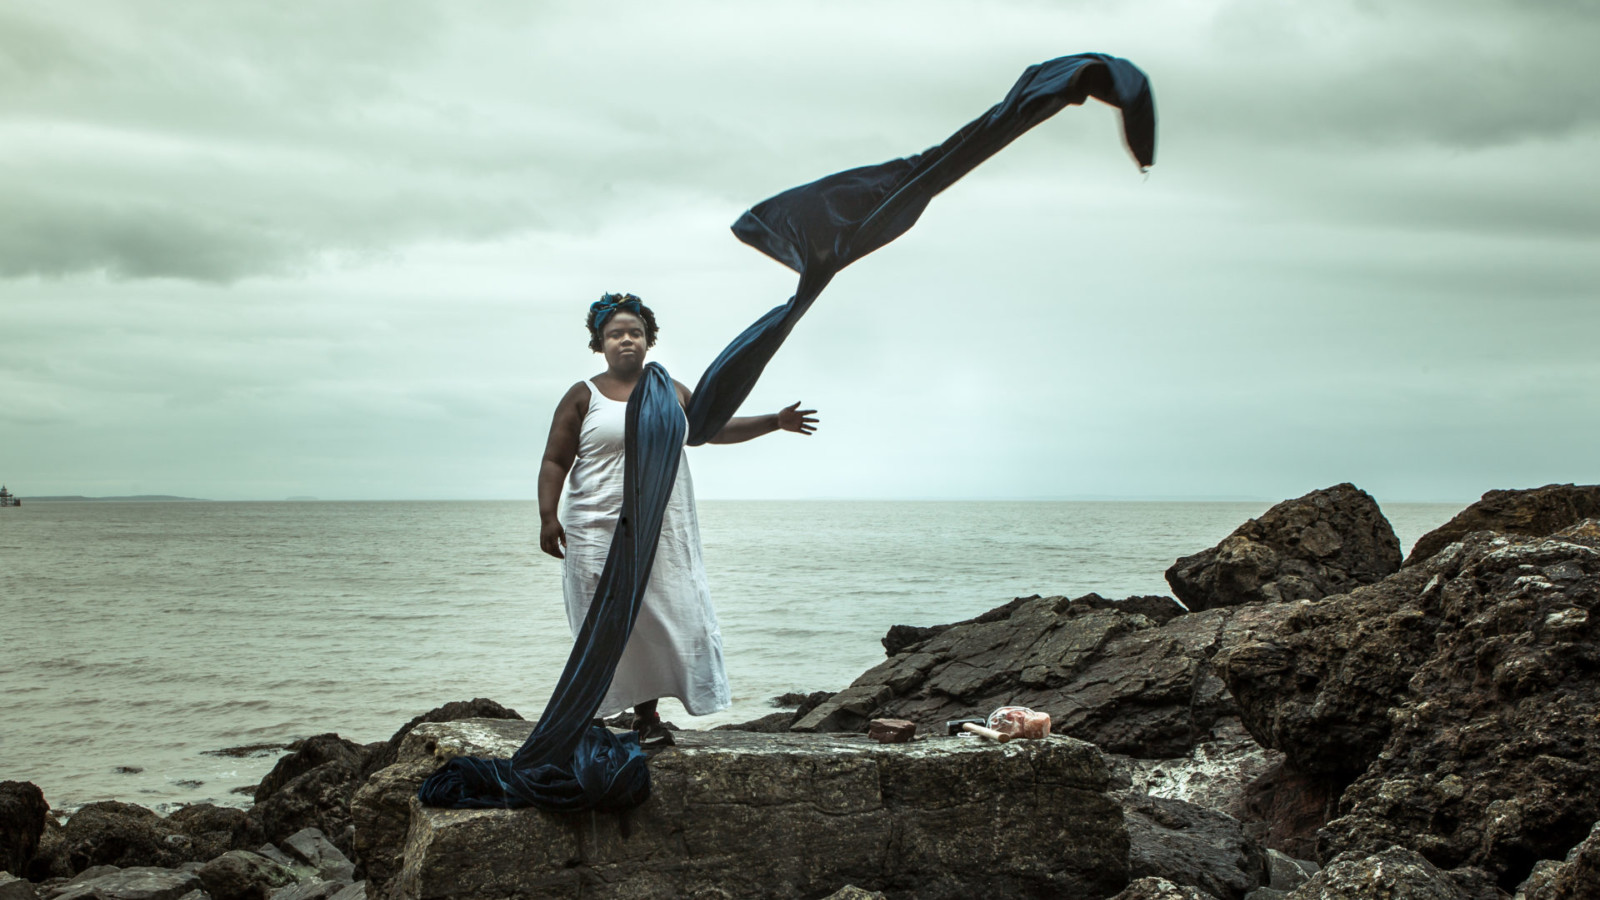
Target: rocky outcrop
[
  {"x": 381, "y": 812},
  {"x": 313, "y": 848},
  {"x": 311, "y": 787},
  {"x": 1191, "y": 845},
  {"x": 242, "y": 875},
  {"x": 1217, "y": 773},
  {"x": 110, "y": 833},
  {"x": 1158, "y": 609},
  {"x": 476, "y": 708},
  {"x": 775, "y": 723},
  {"x": 1529, "y": 513},
  {"x": 1115, "y": 678},
  {"x": 1320, "y": 686},
  {"x": 1157, "y": 888},
  {"x": 1285, "y": 808},
  {"x": 22, "y": 815},
  {"x": 217, "y": 829},
  {"x": 940, "y": 817},
  {"x": 135, "y": 883},
  {"x": 1394, "y": 873},
  {"x": 14, "y": 888},
  {"x": 1327, "y": 542},
  {"x": 1493, "y": 759},
  {"x": 1575, "y": 878}
]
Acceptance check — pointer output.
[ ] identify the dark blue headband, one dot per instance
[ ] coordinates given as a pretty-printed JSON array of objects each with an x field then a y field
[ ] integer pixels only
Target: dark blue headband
[{"x": 607, "y": 306}]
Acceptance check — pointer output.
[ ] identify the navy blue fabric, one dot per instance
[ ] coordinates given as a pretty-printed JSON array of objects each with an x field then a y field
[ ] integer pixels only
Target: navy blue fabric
[
  {"x": 819, "y": 228},
  {"x": 815, "y": 229},
  {"x": 603, "y": 309}
]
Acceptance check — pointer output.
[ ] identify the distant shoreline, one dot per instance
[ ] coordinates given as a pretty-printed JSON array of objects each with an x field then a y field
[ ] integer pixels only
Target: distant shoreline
[{"x": 139, "y": 498}]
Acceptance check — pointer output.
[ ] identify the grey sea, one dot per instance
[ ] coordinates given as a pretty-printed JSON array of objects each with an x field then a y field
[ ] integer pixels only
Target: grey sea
[{"x": 141, "y": 638}]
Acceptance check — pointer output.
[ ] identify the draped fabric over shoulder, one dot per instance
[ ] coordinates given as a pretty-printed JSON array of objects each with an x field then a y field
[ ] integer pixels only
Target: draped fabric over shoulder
[{"x": 816, "y": 229}]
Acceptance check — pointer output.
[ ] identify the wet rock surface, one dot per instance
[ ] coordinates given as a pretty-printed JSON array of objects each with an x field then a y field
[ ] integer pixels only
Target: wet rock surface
[
  {"x": 1217, "y": 773},
  {"x": 1537, "y": 512},
  {"x": 1326, "y": 542},
  {"x": 755, "y": 815}
]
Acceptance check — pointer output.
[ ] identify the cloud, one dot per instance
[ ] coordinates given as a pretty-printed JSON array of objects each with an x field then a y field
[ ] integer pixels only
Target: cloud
[{"x": 254, "y": 139}]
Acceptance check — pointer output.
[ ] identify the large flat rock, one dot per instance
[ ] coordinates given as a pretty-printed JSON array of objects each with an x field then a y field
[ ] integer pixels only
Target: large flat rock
[{"x": 746, "y": 815}]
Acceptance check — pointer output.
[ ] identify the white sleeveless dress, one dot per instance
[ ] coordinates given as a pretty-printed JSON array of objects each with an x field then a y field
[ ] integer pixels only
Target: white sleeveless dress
[{"x": 676, "y": 646}]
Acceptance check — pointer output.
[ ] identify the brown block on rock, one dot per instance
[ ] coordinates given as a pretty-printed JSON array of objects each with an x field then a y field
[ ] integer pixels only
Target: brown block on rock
[{"x": 892, "y": 731}]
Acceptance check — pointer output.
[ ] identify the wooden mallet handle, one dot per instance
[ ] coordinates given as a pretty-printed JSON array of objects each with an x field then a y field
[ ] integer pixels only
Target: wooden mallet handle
[{"x": 989, "y": 733}]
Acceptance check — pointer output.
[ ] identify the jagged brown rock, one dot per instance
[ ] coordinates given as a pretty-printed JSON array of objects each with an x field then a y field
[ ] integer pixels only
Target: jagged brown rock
[
  {"x": 476, "y": 708},
  {"x": 317, "y": 797},
  {"x": 307, "y": 754},
  {"x": 381, "y": 812},
  {"x": 217, "y": 829},
  {"x": 1217, "y": 774},
  {"x": 1394, "y": 873},
  {"x": 134, "y": 883},
  {"x": 1320, "y": 685},
  {"x": 774, "y": 723},
  {"x": 1575, "y": 878},
  {"x": 1156, "y": 888},
  {"x": 242, "y": 875},
  {"x": 111, "y": 833},
  {"x": 1323, "y": 543},
  {"x": 22, "y": 814},
  {"x": 1530, "y": 513},
  {"x": 1116, "y": 678},
  {"x": 1291, "y": 806},
  {"x": 14, "y": 888},
  {"x": 1493, "y": 759},
  {"x": 1191, "y": 845}
]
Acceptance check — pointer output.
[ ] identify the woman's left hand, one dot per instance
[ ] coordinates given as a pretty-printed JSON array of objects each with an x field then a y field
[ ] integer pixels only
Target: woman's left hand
[{"x": 800, "y": 421}]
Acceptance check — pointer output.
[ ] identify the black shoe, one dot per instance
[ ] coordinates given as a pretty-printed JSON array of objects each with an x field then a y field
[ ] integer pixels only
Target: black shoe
[{"x": 652, "y": 734}]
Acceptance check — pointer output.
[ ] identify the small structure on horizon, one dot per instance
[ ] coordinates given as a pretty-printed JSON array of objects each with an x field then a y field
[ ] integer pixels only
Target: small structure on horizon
[{"x": 7, "y": 498}]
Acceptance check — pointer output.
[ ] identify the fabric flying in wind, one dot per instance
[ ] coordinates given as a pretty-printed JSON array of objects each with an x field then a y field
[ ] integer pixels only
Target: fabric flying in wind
[{"x": 567, "y": 764}]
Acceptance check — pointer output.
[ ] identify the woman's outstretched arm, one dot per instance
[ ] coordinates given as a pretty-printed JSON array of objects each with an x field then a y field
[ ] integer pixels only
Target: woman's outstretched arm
[
  {"x": 790, "y": 418},
  {"x": 743, "y": 428},
  {"x": 559, "y": 452}
]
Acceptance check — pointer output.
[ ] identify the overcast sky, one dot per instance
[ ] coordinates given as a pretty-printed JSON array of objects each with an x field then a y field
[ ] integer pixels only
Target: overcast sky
[{"x": 253, "y": 250}]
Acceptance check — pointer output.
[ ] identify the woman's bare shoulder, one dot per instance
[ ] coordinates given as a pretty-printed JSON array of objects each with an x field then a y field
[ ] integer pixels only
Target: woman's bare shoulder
[{"x": 575, "y": 400}]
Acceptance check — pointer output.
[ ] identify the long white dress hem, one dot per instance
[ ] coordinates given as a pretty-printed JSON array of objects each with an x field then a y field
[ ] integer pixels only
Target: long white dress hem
[{"x": 676, "y": 646}]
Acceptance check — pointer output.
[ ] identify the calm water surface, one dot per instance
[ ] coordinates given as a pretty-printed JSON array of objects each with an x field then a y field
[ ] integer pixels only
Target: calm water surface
[{"x": 140, "y": 635}]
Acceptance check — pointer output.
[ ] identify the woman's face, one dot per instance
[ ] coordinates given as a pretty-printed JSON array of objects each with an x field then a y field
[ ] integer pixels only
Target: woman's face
[{"x": 623, "y": 342}]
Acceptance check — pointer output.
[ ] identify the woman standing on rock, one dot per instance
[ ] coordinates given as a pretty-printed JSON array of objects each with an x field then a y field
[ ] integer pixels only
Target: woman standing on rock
[{"x": 675, "y": 649}]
